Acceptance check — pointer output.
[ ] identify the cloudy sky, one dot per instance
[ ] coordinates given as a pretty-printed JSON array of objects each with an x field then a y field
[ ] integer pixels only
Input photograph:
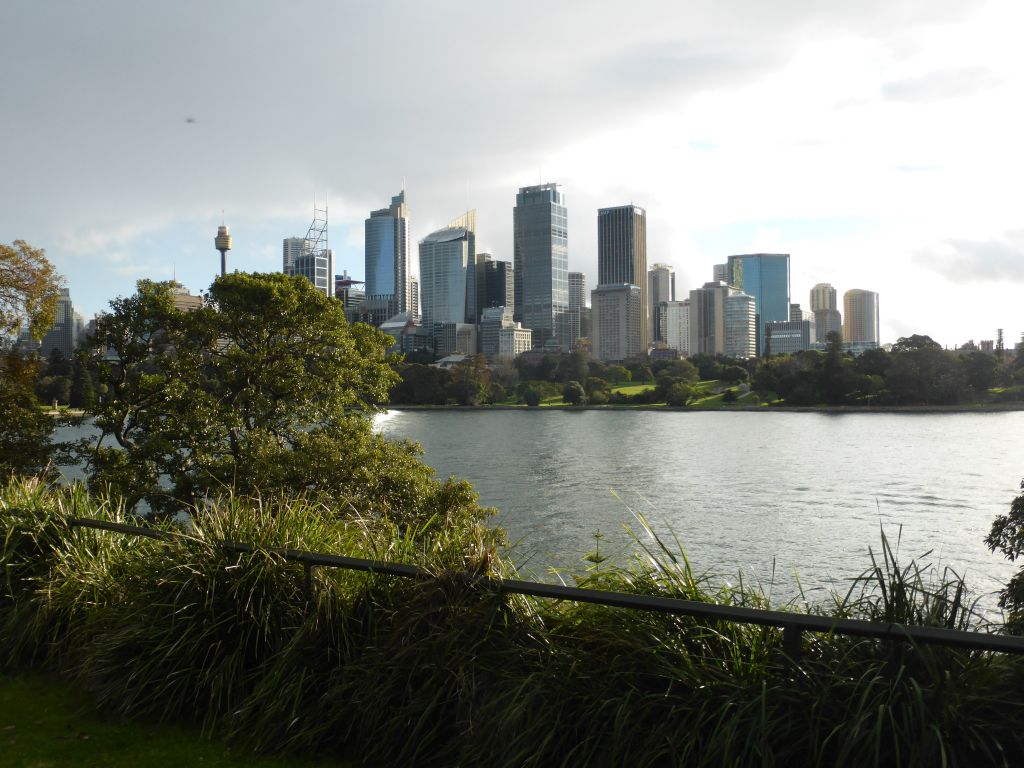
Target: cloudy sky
[{"x": 878, "y": 142}]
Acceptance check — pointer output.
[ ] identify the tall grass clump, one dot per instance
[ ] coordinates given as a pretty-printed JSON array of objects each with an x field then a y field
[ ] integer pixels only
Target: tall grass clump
[{"x": 448, "y": 670}]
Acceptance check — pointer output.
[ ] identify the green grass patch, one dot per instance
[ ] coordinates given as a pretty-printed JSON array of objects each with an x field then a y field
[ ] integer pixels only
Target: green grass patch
[
  {"x": 45, "y": 723},
  {"x": 631, "y": 389}
]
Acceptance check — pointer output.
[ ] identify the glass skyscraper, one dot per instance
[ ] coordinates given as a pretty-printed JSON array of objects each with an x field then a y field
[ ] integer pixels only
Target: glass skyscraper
[
  {"x": 447, "y": 272},
  {"x": 541, "y": 263},
  {"x": 388, "y": 274},
  {"x": 765, "y": 276}
]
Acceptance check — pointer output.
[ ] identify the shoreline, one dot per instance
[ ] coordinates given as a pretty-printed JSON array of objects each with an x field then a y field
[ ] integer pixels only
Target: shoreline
[{"x": 835, "y": 409}]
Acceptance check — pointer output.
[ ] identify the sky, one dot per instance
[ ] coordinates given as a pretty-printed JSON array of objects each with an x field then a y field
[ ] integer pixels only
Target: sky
[{"x": 877, "y": 142}]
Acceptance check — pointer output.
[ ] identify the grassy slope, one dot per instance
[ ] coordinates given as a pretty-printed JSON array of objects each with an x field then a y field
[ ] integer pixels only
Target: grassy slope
[{"x": 46, "y": 723}]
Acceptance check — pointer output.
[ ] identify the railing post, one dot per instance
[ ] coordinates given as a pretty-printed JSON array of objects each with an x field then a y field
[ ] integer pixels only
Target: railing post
[
  {"x": 307, "y": 584},
  {"x": 791, "y": 642}
]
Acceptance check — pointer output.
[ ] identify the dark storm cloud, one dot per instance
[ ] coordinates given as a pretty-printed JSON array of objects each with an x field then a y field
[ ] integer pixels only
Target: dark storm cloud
[{"x": 944, "y": 84}]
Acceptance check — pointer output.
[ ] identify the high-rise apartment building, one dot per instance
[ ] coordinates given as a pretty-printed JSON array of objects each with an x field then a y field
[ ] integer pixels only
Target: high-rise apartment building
[
  {"x": 447, "y": 277},
  {"x": 722, "y": 321},
  {"x": 823, "y": 296},
  {"x": 389, "y": 273},
  {"x": 860, "y": 316},
  {"x": 501, "y": 338},
  {"x": 622, "y": 256},
  {"x": 675, "y": 325},
  {"x": 765, "y": 276},
  {"x": 540, "y": 247},
  {"x": 661, "y": 287},
  {"x": 827, "y": 318},
  {"x": 617, "y": 319}
]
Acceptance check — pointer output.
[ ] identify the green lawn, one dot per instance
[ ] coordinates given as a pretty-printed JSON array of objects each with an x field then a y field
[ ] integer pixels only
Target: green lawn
[
  {"x": 48, "y": 724},
  {"x": 631, "y": 389}
]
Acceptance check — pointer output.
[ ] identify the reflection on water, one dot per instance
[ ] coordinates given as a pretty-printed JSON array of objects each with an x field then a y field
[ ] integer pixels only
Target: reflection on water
[{"x": 806, "y": 493}]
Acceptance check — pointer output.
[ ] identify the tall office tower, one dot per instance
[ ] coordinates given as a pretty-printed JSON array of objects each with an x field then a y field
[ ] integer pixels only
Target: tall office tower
[
  {"x": 577, "y": 305},
  {"x": 540, "y": 247},
  {"x": 827, "y": 318},
  {"x": 823, "y": 296},
  {"x": 312, "y": 259},
  {"x": 721, "y": 273},
  {"x": 860, "y": 316},
  {"x": 765, "y": 276},
  {"x": 661, "y": 287},
  {"x": 675, "y": 329},
  {"x": 61, "y": 335},
  {"x": 388, "y": 264},
  {"x": 447, "y": 287},
  {"x": 494, "y": 283},
  {"x": 721, "y": 321},
  {"x": 622, "y": 255},
  {"x": 618, "y": 318}
]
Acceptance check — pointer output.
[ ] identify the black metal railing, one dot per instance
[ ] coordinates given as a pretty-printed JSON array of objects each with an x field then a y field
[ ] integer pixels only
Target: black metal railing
[{"x": 793, "y": 625}]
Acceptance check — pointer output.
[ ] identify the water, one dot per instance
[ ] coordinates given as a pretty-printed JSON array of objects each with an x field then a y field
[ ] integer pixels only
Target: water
[{"x": 793, "y": 500}]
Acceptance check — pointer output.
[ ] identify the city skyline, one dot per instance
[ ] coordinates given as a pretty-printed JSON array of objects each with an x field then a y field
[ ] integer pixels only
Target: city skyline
[{"x": 889, "y": 162}]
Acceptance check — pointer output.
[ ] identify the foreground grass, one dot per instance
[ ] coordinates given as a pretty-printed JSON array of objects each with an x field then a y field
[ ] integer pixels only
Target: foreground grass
[
  {"x": 446, "y": 671},
  {"x": 45, "y": 723}
]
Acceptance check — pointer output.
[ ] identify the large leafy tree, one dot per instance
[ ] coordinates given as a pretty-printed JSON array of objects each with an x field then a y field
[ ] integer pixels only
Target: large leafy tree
[
  {"x": 29, "y": 289},
  {"x": 265, "y": 388}
]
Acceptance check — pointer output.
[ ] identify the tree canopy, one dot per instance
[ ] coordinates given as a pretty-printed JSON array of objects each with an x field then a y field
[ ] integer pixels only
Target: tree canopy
[
  {"x": 29, "y": 289},
  {"x": 265, "y": 388}
]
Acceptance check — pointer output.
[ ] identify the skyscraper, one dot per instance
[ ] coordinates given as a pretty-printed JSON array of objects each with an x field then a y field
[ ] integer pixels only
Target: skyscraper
[
  {"x": 618, "y": 317},
  {"x": 494, "y": 283},
  {"x": 577, "y": 304},
  {"x": 860, "y": 316},
  {"x": 661, "y": 287},
  {"x": 310, "y": 256},
  {"x": 540, "y": 248},
  {"x": 722, "y": 321},
  {"x": 388, "y": 265},
  {"x": 622, "y": 255},
  {"x": 62, "y": 334},
  {"x": 765, "y": 276},
  {"x": 447, "y": 262},
  {"x": 823, "y": 296}
]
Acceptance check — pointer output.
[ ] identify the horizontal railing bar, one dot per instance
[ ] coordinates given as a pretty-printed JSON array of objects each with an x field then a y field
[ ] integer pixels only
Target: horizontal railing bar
[{"x": 770, "y": 618}]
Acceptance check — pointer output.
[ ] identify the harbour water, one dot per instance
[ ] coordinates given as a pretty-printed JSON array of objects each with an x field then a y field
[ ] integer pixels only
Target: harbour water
[{"x": 792, "y": 500}]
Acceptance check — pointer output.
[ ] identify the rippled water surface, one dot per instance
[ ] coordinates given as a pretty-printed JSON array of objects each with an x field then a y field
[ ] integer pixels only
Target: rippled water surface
[{"x": 745, "y": 493}]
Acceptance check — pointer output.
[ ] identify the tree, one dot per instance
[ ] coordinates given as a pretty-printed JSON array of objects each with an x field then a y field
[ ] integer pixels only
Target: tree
[
  {"x": 1007, "y": 536},
  {"x": 573, "y": 393},
  {"x": 265, "y": 388},
  {"x": 470, "y": 380},
  {"x": 29, "y": 289},
  {"x": 24, "y": 428}
]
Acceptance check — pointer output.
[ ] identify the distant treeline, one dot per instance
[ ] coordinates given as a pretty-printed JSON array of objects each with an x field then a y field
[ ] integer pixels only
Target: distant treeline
[{"x": 917, "y": 371}]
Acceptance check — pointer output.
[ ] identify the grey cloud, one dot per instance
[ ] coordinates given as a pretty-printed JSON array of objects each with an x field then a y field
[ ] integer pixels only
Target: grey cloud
[
  {"x": 980, "y": 261},
  {"x": 943, "y": 84}
]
